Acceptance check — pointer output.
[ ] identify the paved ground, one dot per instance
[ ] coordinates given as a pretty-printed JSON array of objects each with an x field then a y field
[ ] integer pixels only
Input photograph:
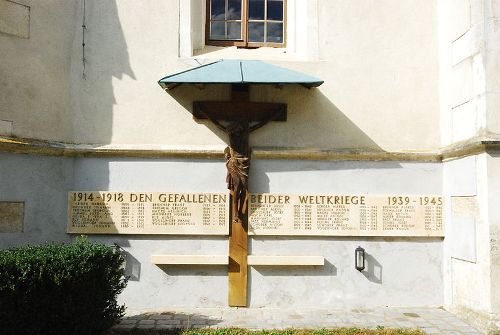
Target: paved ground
[{"x": 430, "y": 320}]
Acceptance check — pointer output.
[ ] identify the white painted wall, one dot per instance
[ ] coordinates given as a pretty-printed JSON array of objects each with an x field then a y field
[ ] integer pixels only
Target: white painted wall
[
  {"x": 469, "y": 54},
  {"x": 493, "y": 165},
  {"x": 470, "y": 61},
  {"x": 35, "y": 71},
  {"x": 393, "y": 264},
  {"x": 380, "y": 91},
  {"x": 42, "y": 184},
  {"x": 466, "y": 278}
]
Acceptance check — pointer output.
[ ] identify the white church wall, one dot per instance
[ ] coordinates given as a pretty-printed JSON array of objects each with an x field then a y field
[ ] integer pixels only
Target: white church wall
[
  {"x": 466, "y": 256},
  {"x": 337, "y": 284},
  {"x": 469, "y": 111},
  {"x": 129, "y": 46},
  {"x": 35, "y": 67},
  {"x": 493, "y": 164},
  {"x": 472, "y": 93},
  {"x": 417, "y": 264},
  {"x": 42, "y": 183},
  {"x": 393, "y": 264}
]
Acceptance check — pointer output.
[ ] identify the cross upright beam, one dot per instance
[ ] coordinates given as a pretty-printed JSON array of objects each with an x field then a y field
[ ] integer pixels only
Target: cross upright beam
[{"x": 243, "y": 116}]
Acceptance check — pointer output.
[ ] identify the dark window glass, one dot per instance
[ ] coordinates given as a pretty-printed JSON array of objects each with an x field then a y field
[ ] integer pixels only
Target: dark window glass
[
  {"x": 218, "y": 9},
  {"x": 234, "y": 30},
  {"x": 263, "y": 22},
  {"x": 234, "y": 10},
  {"x": 256, "y": 9},
  {"x": 274, "y": 32},
  {"x": 218, "y": 31},
  {"x": 275, "y": 10},
  {"x": 256, "y": 32}
]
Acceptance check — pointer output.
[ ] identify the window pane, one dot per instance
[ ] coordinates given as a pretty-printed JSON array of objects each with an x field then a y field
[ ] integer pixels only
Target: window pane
[
  {"x": 256, "y": 32},
  {"x": 218, "y": 31},
  {"x": 234, "y": 10},
  {"x": 275, "y": 10},
  {"x": 274, "y": 32},
  {"x": 234, "y": 30},
  {"x": 256, "y": 9},
  {"x": 218, "y": 9}
]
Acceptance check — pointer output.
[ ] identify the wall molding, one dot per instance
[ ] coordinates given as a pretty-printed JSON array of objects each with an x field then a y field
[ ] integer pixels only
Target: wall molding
[{"x": 470, "y": 147}]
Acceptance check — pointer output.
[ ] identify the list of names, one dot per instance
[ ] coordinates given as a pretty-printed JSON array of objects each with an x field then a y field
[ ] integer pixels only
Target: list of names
[
  {"x": 148, "y": 213},
  {"x": 345, "y": 215}
]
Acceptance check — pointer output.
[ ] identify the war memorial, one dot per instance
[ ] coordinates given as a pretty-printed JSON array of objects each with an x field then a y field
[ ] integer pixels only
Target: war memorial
[{"x": 261, "y": 154}]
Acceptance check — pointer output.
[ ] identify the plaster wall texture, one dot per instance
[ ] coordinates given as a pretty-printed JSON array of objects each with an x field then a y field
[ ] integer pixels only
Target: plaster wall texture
[
  {"x": 492, "y": 65},
  {"x": 42, "y": 184},
  {"x": 129, "y": 46},
  {"x": 335, "y": 284},
  {"x": 393, "y": 264},
  {"x": 35, "y": 71},
  {"x": 384, "y": 283},
  {"x": 493, "y": 161},
  {"x": 471, "y": 248},
  {"x": 466, "y": 276},
  {"x": 418, "y": 263},
  {"x": 469, "y": 43},
  {"x": 14, "y": 19},
  {"x": 470, "y": 90}
]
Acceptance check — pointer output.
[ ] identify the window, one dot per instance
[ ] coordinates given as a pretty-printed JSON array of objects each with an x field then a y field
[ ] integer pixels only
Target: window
[{"x": 246, "y": 23}]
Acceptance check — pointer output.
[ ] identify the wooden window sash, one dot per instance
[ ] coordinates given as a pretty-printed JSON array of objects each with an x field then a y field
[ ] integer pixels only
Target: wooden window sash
[{"x": 244, "y": 43}]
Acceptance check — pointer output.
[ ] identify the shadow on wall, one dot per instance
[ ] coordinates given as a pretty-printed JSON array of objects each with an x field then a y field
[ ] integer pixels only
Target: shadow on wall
[
  {"x": 373, "y": 270},
  {"x": 313, "y": 119},
  {"x": 327, "y": 270},
  {"x": 198, "y": 270},
  {"x": 132, "y": 266},
  {"x": 104, "y": 57}
]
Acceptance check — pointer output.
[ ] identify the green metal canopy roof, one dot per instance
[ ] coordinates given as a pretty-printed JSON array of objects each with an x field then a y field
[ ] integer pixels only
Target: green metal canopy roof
[{"x": 239, "y": 72}]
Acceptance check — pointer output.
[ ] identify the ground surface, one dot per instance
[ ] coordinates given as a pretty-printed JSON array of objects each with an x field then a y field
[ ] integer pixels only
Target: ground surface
[{"x": 430, "y": 320}]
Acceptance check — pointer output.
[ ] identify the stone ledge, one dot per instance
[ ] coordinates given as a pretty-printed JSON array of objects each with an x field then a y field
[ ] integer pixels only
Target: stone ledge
[
  {"x": 190, "y": 259},
  {"x": 470, "y": 147},
  {"x": 286, "y": 260},
  {"x": 49, "y": 148},
  {"x": 253, "y": 260}
]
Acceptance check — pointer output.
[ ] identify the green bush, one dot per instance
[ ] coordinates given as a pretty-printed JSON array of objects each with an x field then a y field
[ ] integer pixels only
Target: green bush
[{"x": 60, "y": 289}]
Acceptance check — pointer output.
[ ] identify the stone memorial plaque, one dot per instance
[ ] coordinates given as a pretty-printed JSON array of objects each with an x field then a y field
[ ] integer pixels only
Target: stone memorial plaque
[
  {"x": 11, "y": 217},
  {"x": 345, "y": 215},
  {"x": 148, "y": 213}
]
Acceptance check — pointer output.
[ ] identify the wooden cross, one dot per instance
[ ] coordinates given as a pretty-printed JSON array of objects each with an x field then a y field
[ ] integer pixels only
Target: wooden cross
[{"x": 242, "y": 117}]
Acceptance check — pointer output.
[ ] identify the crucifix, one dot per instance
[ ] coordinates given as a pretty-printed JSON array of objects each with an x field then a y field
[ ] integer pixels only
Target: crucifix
[{"x": 238, "y": 118}]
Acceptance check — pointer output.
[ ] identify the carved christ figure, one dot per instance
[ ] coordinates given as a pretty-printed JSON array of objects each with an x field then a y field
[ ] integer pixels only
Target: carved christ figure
[
  {"x": 237, "y": 180},
  {"x": 237, "y": 156},
  {"x": 238, "y": 165}
]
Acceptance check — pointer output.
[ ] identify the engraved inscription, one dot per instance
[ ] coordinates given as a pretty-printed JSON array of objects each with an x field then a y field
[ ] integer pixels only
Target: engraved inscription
[
  {"x": 11, "y": 217},
  {"x": 269, "y": 214},
  {"x": 345, "y": 215},
  {"x": 148, "y": 213}
]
